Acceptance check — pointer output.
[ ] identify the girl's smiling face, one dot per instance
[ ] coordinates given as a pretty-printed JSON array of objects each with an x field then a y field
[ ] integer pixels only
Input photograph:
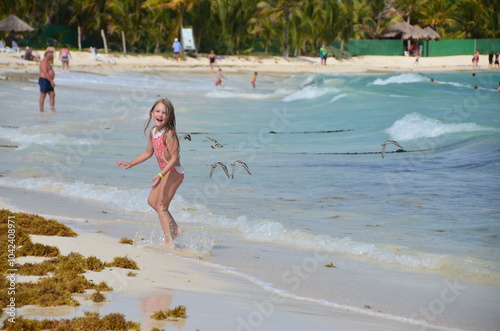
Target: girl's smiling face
[{"x": 159, "y": 114}]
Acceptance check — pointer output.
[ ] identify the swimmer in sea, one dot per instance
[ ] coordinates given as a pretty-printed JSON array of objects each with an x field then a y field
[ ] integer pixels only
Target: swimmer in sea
[{"x": 218, "y": 78}]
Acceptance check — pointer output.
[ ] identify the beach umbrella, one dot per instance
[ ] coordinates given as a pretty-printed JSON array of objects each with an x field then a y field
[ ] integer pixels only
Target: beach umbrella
[
  {"x": 14, "y": 23},
  {"x": 432, "y": 34}
]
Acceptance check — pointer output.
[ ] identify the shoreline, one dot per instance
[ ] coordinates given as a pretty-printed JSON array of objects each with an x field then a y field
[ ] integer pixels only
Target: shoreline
[
  {"x": 12, "y": 65},
  {"x": 361, "y": 292},
  {"x": 215, "y": 297}
]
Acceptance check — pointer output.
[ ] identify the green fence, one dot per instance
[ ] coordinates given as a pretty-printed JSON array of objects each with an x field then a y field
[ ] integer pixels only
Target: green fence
[
  {"x": 372, "y": 47},
  {"x": 429, "y": 48},
  {"x": 463, "y": 47}
]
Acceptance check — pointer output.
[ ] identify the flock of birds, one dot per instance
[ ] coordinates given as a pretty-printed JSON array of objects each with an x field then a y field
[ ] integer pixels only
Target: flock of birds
[{"x": 217, "y": 145}]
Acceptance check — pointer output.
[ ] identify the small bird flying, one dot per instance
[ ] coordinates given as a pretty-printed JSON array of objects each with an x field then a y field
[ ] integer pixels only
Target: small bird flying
[
  {"x": 219, "y": 164},
  {"x": 237, "y": 163},
  {"x": 388, "y": 142},
  {"x": 186, "y": 136},
  {"x": 216, "y": 144}
]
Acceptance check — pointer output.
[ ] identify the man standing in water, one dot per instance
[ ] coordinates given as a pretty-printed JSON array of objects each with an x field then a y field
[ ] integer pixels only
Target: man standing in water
[{"x": 46, "y": 81}]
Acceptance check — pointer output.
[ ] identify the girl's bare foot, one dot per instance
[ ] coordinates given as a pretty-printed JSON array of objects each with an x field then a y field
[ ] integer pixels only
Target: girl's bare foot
[{"x": 177, "y": 232}]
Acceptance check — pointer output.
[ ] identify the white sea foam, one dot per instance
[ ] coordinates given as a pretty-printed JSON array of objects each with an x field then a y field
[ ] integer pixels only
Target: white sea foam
[
  {"x": 24, "y": 140},
  {"x": 400, "y": 79},
  {"x": 128, "y": 200},
  {"x": 337, "y": 97},
  {"x": 310, "y": 92},
  {"x": 268, "y": 231},
  {"x": 283, "y": 91},
  {"x": 276, "y": 233},
  {"x": 415, "y": 125},
  {"x": 224, "y": 94}
]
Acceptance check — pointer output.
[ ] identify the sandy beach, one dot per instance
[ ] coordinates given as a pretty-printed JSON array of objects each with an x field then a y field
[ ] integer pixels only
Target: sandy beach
[
  {"x": 216, "y": 298},
  {"x": 11, "y": 63}
]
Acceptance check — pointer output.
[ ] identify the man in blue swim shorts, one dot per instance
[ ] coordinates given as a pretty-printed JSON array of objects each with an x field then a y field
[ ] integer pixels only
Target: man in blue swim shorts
[{"x": 46, "y": 81}]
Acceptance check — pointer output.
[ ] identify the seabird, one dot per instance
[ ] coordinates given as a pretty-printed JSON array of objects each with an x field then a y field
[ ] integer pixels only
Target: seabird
[
  {"x": 237, "y": 163},
  {"x": 216, "y": 144},
  {"x": 387, "y": 142},
  {"x": 219, "y": 164},
  {"x": 185, "y": 137}
]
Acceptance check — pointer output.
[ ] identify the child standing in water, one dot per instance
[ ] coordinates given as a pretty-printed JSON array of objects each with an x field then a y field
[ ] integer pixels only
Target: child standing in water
[
  {"x": 218, "y": 78},
  {"x": 164, "y": 144},
  {"x": 254, "y": 79}
]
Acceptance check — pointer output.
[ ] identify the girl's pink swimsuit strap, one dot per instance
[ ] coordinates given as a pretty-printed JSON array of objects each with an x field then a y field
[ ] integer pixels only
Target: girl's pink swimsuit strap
[{"x": 160, "y": 148}]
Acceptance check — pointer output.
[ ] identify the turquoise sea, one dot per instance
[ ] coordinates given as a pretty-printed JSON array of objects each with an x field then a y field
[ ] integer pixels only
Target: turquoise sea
[{"x": 318, "y": 183}]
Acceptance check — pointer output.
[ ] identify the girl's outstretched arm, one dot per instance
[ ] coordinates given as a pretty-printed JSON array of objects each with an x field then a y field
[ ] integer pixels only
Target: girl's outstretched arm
[{"x": 141, "y": 158}]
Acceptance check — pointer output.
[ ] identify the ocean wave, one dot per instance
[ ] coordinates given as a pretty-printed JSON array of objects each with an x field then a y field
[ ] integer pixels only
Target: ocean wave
[
  {"x": 132, "y": 200},
  {"x": 25, "y": 140},
  {"x": 337, "y": 97},
  {"x": 267, "y": 231},
  {"x": 310, "y": 92},
  {"x": 241, "y": 95},
  {"x": 415, "y": 126},
  {"x": 400, "y": 79},
  {"x": 275, "y": 232}
]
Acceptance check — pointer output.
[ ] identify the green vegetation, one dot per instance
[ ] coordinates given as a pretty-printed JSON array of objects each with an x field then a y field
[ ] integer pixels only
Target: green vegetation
[
  {"x": 286, "y": 27},
  {"x": 177, "y": 312},
  {"x": 91, "y": 321}
]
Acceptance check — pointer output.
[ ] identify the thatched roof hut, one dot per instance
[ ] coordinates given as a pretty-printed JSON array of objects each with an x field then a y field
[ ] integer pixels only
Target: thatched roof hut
[
  {"x": 14, "y": 23},
  {"x": 396, "y": 30},
  {"x": 416, "y": 33},
  {"x": 432, "y": 34}
]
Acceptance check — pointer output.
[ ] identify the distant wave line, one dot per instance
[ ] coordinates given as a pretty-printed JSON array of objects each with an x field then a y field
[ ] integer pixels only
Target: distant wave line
[{"x": 271, "y": 132}]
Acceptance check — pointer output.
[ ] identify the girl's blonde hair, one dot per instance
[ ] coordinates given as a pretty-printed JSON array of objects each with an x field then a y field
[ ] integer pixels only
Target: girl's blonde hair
[{"x": 169, "y": 107}]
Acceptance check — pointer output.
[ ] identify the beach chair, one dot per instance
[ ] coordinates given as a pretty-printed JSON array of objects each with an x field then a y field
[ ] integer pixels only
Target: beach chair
[
  {"x": 15, "y": 47},
  {"x": 94, "y": 55},
  {"x": 4, "y": 48}
]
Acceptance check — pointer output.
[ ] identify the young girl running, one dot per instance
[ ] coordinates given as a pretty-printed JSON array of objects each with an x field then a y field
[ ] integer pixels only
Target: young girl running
[{"x": 164, "y": 144}]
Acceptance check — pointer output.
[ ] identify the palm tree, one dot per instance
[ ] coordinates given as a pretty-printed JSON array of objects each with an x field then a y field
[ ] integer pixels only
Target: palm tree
[
  {"x": 265, "y": 29},
  {"x": 438, "y": 14},
  {"x": 407, "y": 8},
  {"x": 281, "y": 10},
  {"x": 180, "y": 5},
  {"x": 126, "y": 16},
  {"x": 479, "y": 18},
  {"x": 88, "y": 15},
  {"x": 234, "y": 17}
]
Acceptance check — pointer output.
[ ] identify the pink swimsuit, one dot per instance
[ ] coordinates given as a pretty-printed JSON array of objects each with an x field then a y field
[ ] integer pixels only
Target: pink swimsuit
[{"x": 160, "y": 148}]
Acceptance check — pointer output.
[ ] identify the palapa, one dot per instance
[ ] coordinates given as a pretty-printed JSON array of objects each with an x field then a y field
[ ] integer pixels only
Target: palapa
[
  {"x": 14, "y": 23},
  {"x": 396, "y": 30},
  {"x": 432, "y": 34},
  {"x": 416, "y": 33}
]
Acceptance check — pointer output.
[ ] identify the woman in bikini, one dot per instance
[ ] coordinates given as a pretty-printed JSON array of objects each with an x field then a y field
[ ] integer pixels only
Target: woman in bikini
[
  {"x": 164, "y": 144},
  {"x": 211, "y": 59},
  {"x": 64, "y": 56}
]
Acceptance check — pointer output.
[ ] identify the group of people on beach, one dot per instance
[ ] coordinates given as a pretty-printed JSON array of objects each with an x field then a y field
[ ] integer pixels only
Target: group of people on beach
[
  {"x": 493, "y": 60},
  {"x": 212, "y": 58},
  {"x": 64, "y": 55}
]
